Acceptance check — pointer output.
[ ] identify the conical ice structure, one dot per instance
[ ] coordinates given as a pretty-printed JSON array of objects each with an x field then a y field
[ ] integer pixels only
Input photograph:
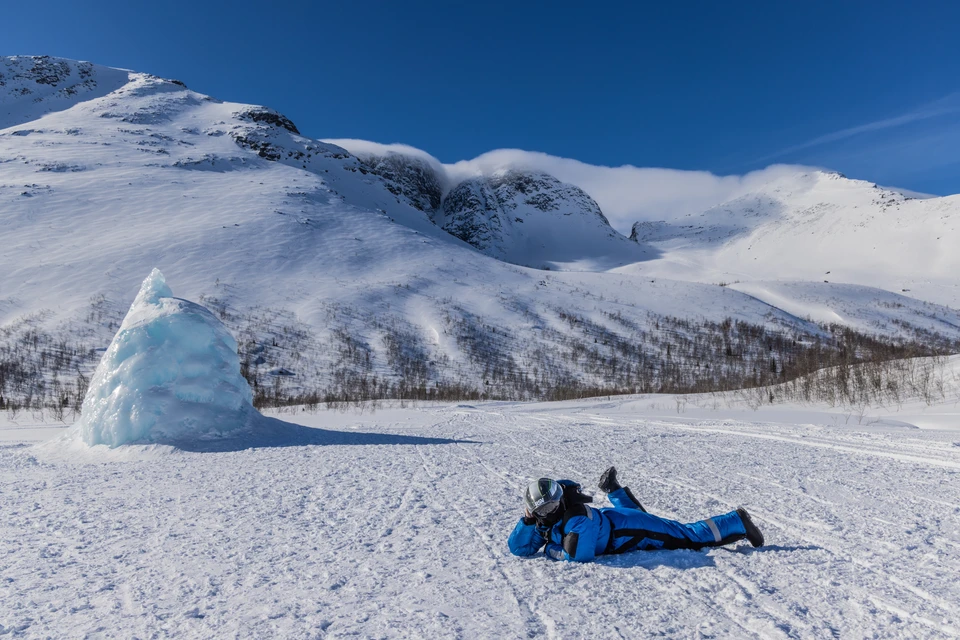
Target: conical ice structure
[{"x": 171, "y": 374}]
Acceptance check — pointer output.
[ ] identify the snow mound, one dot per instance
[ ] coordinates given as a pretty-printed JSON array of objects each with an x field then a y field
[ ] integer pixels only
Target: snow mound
[{"x": 170, "y": 374}]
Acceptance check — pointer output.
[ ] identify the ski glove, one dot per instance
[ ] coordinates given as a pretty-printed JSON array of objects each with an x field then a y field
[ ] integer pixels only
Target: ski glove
[{"x": 554, "y": 551}]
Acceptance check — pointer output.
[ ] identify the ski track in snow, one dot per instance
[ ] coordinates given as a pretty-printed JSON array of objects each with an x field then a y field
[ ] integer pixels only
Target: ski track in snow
[{"x": 401, "y": 540}]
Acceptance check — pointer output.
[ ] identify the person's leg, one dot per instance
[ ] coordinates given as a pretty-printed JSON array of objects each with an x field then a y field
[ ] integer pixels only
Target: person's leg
[
  {"x": 623, "y": 498},
  {"x": 639, "y": 530}
]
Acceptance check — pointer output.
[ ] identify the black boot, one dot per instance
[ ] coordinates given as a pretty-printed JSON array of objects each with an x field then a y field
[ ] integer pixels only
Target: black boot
[
  {"x": 608, "y": 481},
  {"x": 608, "y": 484},
  {"x": 753, "y": 533}
]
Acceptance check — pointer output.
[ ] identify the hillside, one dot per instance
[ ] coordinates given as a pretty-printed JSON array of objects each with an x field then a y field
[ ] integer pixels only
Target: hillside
[
  {"x": 337, "y": 273},
  {"x": 820, "y": 227}
]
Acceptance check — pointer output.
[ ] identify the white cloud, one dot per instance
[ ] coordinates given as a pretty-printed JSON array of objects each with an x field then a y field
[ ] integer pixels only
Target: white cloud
[
  {"x": 364, "y": 148},
  {"x": 947, "y": 105},
  {"x": 626, "y": 194}
]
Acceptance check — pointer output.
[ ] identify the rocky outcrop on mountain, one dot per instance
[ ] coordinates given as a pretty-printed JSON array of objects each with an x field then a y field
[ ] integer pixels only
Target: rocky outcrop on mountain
[
  {"x": 268, "y": 116},
  {"x": 267, "y": 132},
  {"x": 523, "y": 216},
  {"x": 517, "y": 215},
  {"x": 410, "y": 177},
  {"x": 472, "y": 213},
  {"x": 651, "y": 231},
  {"x": 31, "y": 86},
  {"x": 516, "y": 189},
  {"x": 21, "y": 71},
  {"x": 509, "y": 212}
]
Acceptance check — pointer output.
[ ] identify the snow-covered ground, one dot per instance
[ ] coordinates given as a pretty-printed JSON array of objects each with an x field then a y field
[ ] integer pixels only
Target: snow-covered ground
[{"x": 393, "y": 523}]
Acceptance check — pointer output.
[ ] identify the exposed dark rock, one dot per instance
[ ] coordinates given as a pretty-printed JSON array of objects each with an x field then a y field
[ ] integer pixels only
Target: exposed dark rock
[
  {"x": 473, "y": 214},
  {"x": 408, "y": 176},
  {"x": 480, "y": 211},
  {"x": 263, "y": 148},
  {"x": 542, "y": 191},
  {"x": 269, "y": 116},
  {"x": 641, "y": 231},
  {"x": 47, "y": 70}
]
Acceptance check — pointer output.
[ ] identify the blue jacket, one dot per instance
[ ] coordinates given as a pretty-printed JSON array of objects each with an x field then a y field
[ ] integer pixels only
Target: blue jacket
[{"x": 585, "y": 532}]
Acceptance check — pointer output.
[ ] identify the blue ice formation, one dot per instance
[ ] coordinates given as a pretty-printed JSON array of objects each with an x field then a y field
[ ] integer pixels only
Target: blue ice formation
[{"x": 170, "y": 374}]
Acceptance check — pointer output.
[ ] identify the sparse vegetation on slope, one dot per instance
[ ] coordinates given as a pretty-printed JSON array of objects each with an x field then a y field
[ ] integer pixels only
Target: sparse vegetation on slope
[{"x": 362, "y": 358}]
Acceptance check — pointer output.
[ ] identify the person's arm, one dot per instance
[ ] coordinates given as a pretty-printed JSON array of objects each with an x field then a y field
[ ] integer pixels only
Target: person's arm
[
  {"x": 525, "y": 540},
  {"x": 579, "y": 539}
]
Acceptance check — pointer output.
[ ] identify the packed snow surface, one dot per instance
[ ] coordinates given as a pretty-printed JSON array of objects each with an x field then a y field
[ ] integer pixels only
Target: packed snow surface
[
  {"x": 394, "y": 524},
  {"x": 170, "y": 373}
]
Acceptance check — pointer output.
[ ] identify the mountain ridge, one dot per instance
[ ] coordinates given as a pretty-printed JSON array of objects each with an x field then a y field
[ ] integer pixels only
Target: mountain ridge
[
  {"x": 321, "y": 269},
  {"x": 817, "y": 226}
]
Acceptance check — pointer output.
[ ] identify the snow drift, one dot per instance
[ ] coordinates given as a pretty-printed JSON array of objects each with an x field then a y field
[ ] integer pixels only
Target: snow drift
[{"x": 171, "y": 373}]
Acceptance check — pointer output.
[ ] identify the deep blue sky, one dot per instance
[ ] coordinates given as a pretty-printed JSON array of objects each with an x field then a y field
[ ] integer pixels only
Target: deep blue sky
[{"x": 868, "y": 88}]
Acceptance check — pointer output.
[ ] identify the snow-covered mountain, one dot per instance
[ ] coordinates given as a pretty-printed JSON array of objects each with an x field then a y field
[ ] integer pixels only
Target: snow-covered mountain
[
  {"x": 411, "y": 177},
  {"x": 514, "y": 214},
  {"x": 31, "y": 86},
  {"x": 817, "y": 226},
  {"x": 534, "y": 219},
  {"x": 354, "y": 268}
]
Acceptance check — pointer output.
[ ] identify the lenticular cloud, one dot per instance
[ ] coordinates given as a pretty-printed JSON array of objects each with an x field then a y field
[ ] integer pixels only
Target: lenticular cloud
[{"x": 170, "y": 374}]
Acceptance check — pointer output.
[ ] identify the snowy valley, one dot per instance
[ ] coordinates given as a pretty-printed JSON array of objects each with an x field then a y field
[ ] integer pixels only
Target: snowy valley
[{"x": 423, "y": 340}]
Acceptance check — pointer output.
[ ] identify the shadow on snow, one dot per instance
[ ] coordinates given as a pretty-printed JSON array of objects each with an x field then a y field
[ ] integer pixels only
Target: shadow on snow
[
  {"x": 271, "y": 432},
  {"x": 689, "y": 558}
]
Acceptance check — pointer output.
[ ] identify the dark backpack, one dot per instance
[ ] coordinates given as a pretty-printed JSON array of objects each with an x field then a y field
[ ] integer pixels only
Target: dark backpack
[{"x": 573, "y": 493}]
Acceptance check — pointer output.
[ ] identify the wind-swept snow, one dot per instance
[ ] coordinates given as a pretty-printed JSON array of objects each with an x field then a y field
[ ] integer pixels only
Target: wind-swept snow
[
  {"x": 394, "y": 524},
  {"x": 864, "y": 309}
]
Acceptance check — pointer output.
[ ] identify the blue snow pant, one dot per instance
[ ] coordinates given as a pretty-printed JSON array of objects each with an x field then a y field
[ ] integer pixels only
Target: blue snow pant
[{"x": 634, "y": 529}]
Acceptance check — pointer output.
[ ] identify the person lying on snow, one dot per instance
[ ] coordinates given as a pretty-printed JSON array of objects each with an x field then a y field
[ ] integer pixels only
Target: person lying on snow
[{"x": 556, "y": 515}]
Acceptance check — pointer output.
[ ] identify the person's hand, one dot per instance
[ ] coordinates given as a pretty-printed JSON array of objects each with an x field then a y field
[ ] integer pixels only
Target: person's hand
[{"x": 528, "y": 517}]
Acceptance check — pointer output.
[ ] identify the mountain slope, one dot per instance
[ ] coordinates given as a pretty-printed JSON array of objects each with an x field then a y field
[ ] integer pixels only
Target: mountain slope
[
  {"x": 326, "y": 268},
  {"x": 818, "y": 226},
  {"x": 31, "y": 86}
]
